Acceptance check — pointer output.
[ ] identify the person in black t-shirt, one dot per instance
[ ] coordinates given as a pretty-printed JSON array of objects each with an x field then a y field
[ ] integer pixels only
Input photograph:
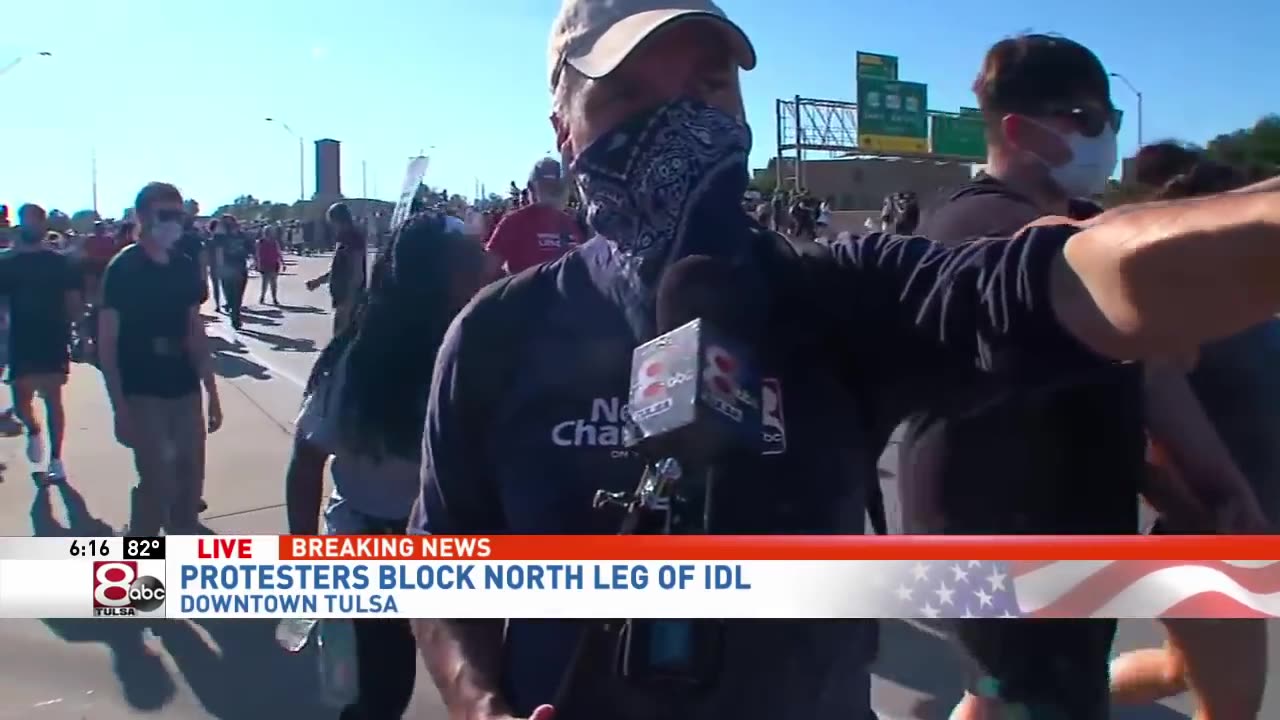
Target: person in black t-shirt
[
  {"x": 1063, "y": 461},
  {"x": 191, "y": 244},
  {"x": 214, "y": 280},
  {"x": 347, "y": 273},
  {"x": 155, "y": 356},
  {"x": 42, "y": 287},
  {"x": 232, "y": 250}
]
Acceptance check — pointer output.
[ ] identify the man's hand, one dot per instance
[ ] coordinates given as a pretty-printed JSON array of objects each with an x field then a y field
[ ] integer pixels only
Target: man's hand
[
  {"x": 215, "y": 413},
  {"x": 312, "y": 285},
  {"x": 124, "y": 427}
]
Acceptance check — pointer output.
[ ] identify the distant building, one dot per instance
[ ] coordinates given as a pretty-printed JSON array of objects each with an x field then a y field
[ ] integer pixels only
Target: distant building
[{"x": 328, "y": 170}]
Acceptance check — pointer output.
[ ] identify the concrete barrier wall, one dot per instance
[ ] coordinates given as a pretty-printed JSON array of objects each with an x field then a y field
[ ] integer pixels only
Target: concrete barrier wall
[{"x": 853, "y": 220}]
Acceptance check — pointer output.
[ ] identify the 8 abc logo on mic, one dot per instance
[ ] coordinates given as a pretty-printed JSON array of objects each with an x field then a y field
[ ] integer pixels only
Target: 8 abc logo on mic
[{"x": 120, "y": 591}]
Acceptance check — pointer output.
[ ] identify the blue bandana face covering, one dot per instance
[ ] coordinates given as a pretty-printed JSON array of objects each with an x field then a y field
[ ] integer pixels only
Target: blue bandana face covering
[{"x": 663, "y": 185}]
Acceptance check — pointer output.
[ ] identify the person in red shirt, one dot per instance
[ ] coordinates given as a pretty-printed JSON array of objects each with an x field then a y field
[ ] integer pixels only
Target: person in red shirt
[
  {"x": 540, "y": 231},
  {"x": 126, "y": 235},
  {"x": 269, "y": 260},
  {"x": 99, "y": 248}
]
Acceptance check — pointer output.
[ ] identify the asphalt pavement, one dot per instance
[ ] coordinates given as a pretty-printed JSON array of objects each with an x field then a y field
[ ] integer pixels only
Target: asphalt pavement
[{"x": 232, "y": 670}]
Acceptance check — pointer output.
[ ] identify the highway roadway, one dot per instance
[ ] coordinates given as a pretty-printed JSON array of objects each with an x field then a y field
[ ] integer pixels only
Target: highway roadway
[{"x": 232, "y": 670}]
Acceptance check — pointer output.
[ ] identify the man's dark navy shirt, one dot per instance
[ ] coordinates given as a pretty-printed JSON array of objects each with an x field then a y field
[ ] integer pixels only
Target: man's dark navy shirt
[{"x": 859, "y": 335}]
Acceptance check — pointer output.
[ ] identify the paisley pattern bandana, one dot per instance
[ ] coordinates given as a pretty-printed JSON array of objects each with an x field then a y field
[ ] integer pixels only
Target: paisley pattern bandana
[{"x": 662, "y": 186}]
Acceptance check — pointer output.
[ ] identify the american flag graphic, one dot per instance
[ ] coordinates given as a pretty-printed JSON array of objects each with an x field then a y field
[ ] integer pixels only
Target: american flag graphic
[
  {"x": 1084, "y": 588},
  {"x": 952, "y": 589}
]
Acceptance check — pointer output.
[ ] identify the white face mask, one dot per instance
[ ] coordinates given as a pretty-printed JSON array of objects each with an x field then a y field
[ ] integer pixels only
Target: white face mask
[
  {"x": 165, "y": 234},
  {"x": 1092, "y": 160}
]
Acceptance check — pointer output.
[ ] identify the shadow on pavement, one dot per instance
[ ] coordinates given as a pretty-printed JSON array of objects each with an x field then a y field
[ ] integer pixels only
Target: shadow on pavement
[
  {"x": 253, "y": 318},
  {"x": 274, "y": 312},
  {"x": 903, "y": 649},
  {"x": 234, "y": 668},
  {"x": 282, "y": 343},
  {"x": 305, "y": 309},
  {"x": 10, "y": 426},
  {"x": 239, "y": 672},
  {"x": 229, "y": 361}
]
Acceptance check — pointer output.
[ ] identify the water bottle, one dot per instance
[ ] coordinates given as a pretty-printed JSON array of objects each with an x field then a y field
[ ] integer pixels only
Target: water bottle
[
  {"x": 339, "y": 681},
  {"x": 293, "y": 634}
]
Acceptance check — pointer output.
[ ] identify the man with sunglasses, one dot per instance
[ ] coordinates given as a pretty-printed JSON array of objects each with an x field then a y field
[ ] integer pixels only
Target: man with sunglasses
[
  {"x": 155, "y": 356},
  {"x": 1065, "y": 461}
]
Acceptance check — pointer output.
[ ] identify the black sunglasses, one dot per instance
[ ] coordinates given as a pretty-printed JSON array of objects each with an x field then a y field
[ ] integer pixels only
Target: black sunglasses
[
  {"x": 169, "y": 215},
  {"x": 1089, "y": 120}
]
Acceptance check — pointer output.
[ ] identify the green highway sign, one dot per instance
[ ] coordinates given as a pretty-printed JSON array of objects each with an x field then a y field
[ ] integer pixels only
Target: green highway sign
[
  {"x": 892, "y": 115},
  {"x": 884, "y": 67},
  {"x": 960, "y": 135}
]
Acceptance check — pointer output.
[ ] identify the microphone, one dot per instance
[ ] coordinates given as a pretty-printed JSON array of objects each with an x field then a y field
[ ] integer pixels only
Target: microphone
[
  {"x": 695, "y": 391},
  {"x": 695, "y": 401}
]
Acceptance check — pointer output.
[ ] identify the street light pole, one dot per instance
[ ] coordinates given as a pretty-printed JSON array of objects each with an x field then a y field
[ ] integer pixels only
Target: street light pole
[
  {"x": 1137, "y": 93},
  {"x": 302, "y": 170},
  {"x": 302, "y": 154},
  {"x": 18, "y": 60},
  {"x": 93, "y": 170}
]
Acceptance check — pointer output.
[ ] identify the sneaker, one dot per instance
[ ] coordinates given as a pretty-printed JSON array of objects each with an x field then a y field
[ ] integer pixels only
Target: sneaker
[
  {"x": 56, "y": 473},
  {"x": 35, "y": 448}
]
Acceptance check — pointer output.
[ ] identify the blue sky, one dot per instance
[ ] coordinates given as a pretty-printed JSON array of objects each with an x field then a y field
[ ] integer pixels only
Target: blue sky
[{"x": 178, "y": 90}]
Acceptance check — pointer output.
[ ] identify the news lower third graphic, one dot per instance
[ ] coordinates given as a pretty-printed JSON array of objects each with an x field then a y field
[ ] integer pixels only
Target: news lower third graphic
[
  {"x": 120, "y": 590},
  {"x": 644, "y": 577}
]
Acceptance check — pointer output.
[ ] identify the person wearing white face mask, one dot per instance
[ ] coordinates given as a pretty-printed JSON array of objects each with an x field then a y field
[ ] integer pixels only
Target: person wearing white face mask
[
  {"x": 1051, "y": 139},
  {"x": 1066, "y": 461},
  {"x": 155, "y": 356}
]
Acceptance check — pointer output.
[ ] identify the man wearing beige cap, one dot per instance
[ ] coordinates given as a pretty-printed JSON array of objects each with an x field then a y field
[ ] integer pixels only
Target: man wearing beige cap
[{"x": 525, "y": 415}]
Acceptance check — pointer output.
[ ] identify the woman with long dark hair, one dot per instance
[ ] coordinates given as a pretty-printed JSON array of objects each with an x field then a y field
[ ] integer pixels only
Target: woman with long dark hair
[
  {"x": 1237, "y": 381},
  {"x": 365, "y": 406}
]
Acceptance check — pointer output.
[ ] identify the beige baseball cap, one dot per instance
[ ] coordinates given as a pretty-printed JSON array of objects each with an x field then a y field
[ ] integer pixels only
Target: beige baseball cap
[{"x": 595, "y": 36}]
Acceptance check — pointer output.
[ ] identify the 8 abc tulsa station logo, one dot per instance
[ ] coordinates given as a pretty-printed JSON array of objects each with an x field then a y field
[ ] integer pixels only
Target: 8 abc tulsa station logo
[{"x": 119, "y": 591}]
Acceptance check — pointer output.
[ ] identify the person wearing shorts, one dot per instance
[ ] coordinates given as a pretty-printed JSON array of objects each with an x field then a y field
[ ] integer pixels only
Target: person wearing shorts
[{"x": 42, "y": 287}]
